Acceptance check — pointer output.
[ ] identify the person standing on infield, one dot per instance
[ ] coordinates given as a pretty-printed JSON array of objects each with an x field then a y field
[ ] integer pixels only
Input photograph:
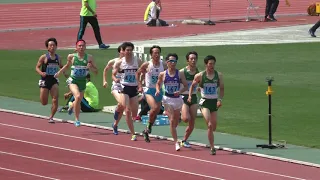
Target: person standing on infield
[
  {"x": 88, "y": 15},
  {"x": 210, "y": 81}
]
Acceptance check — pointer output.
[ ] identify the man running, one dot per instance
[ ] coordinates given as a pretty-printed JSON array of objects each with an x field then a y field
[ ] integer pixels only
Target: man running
[
  {"x": 152, "y": 70},
  {"x": 115, "y": 89},
  {"x": 189, "y": 110},
  {"x": 127, "y": 67},
  {"x": 81, "y": 63},
  {"x": 210, "y": 81},
  {"x": 172, "y": 101},
  {"x": 47, "y": 66}
]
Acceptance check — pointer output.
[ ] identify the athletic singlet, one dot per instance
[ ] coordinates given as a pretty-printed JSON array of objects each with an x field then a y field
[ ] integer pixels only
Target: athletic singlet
[
  {"x": 209, "y": 86},
  {"x": 118, "y": 75},
  {"x": 79, "y": 69},
  {"x": 51, "y": 67},
  {"x": 153, "y": 74},
  {"x": 189, "y": 79},
  {"x": 171, "y": 84},
  {"x": 128, "y": 72}
]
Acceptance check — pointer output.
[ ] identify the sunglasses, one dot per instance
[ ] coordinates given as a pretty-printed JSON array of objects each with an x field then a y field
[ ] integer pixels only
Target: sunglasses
[{"x": 172, "y": 61}]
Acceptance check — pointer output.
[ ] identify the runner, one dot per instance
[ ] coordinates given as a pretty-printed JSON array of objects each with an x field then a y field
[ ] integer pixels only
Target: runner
[
  {"x": 189, "y": 110},
  {"x": 115, "y": 89},
  {"x": 210, "y": 81},
  {"x": 172, "y": 101},
  {"x": 80, "y": 63},
  {"x": 127, "y": 67},
  {"x": 152, "y": 70},
  {"x": 48, "y": 65}
]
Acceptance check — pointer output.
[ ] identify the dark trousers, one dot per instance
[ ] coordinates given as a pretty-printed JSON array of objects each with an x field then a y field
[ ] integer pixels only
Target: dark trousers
[
  {"x": 271, "y": 8},
  {"x": 153, "y": 22},
  {"x": 315, "y": 26},
  {"x": 145, "y": 108},
  {"x": 85, "y": 107},
  {"x": 84, "y": 20}
]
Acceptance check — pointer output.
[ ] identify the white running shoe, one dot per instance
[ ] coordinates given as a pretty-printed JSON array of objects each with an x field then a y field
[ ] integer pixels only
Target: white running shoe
[{"x": 177, "y": 146}]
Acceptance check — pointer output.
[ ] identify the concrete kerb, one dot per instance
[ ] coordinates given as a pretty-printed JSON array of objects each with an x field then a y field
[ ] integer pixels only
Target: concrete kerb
[{"x": 169, "y": 139}]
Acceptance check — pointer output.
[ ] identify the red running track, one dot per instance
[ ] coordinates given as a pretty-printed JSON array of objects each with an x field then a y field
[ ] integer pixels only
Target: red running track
[{"x": 62, "y": 151}]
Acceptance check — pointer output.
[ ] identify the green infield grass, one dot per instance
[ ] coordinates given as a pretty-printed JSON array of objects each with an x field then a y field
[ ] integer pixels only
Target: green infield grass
[{"x": 295, "y": 68}]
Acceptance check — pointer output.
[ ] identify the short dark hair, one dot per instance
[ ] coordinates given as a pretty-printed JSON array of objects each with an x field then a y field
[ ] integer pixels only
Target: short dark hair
[
  {"x": 154, "y": 46},
  {"x": 127, "y": 44},
  {"x": 51, "y": 39},
  {"x": 79, "y": 40},
  {"x": 172, "y": 54},
  {"x": 209, "y": 57},
  {"x": 119, "y": 48},
  {"x": 191, "y": 52}
]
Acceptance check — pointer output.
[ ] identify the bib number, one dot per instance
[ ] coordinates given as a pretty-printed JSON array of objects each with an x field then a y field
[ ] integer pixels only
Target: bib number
[
  {"x": 154, "y": 79},
  {"x": 209, "y": 90},
  {"x": 171, "y": 89},
  {"x": 130, "y": 79},
  {"x": 51, "y": 70},
  {"x": 79, "y": 72}
]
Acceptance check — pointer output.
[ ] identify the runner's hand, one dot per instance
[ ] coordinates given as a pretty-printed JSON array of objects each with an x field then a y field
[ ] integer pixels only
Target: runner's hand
[
  {"x": 219, "y": 104},
  {"x": 177, "y": 93},
  {"x": 105, "y": 84},
  {"x": 157, "y": 93},
  {"x": 43, "y": 74},
  {"x": 189, "y": 99}
]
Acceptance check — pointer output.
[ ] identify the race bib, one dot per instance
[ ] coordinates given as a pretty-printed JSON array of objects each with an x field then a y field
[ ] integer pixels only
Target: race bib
[
  {"x": 154, "y": 79},
  {"x": 130, "y": 78},
  {"x": 42, "y": 83},
  {"x": 79, "y": 72},
  {"x": 209, "y": 90},
  {"x": 171, "y": 89},
  {"x": 52, "y": 69}
]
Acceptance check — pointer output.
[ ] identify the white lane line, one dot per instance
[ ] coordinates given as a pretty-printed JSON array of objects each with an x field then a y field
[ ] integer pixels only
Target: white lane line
[
  {"x": 21, "y": 172},
  {"x": 109, "y": 157},
  {"x": 153, "y": 151}
]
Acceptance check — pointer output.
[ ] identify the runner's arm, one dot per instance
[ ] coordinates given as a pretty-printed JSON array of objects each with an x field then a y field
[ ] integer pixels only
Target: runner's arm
[
  {"x": 159, "y": 82},
  {"x": 61, "y": 66},
  {"x": 183, "y": 81},
  {"x": 141, "y": 70},
  {"x": 196, "y": 80},
  {"x": 92, "y": 65},
  {"x": 65, "y": 67},
  {"x": 39, "y": 63},
  {"x": 115, "y": 71},
  {"x": 105, "y": 70}
]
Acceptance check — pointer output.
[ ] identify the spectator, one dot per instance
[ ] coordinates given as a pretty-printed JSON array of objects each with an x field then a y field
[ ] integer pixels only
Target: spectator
[{"x": 152, "y": 14}]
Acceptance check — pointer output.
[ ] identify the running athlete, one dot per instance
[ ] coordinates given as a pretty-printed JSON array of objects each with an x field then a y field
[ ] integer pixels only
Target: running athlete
[
  {"x": 115, "y": 89},
  {"x": 172, "y": 101},
  {"x": 80, "y": 63},
  {"x": 152, "y": 70},
  {"x": 189, "y": 110},
  {"x": 210, "y": 82},
  {"x": 127, "y": 67},
  {"x": 47, "y": 66}
]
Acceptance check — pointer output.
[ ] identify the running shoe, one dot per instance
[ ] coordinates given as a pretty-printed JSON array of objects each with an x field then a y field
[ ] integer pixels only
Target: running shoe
[
  {"x": 185, "y": 144},
  {"x": 146, "y": 135},
  {"x": 213, "y": 151},
  {"x": 115, "y": 129},
  {"x": 77, "y": 123},
  {"x": 177, "y": 146},
  {"x": 133, "y": 138},
  {"x": 51, "y": 120}
]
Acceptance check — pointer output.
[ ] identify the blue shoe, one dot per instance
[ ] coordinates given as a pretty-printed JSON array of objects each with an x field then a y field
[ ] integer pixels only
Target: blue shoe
[
  {"x": 70, "y": 111},
  {"x": 115, "y": 129},
  {"x": 103, "y": 46},
  {"x": 77, "y": 123}
]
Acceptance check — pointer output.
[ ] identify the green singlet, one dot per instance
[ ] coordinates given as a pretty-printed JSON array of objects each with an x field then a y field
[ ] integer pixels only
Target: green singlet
[
  {"x": 79, "y": 71},
  {"x": 209, "y": 93},
  {"x": 189, "y": 78}
]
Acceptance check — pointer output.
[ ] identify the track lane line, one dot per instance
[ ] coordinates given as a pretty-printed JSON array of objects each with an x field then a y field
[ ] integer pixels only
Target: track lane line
[
  {"x": 109, "y": 157},
  {"x": 153, "y": 151},
  {"x": 22, "y": 172}
]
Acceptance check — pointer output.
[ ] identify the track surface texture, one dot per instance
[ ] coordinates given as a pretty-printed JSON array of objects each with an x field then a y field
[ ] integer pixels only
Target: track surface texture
[{"x": 31, "y": 147}]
